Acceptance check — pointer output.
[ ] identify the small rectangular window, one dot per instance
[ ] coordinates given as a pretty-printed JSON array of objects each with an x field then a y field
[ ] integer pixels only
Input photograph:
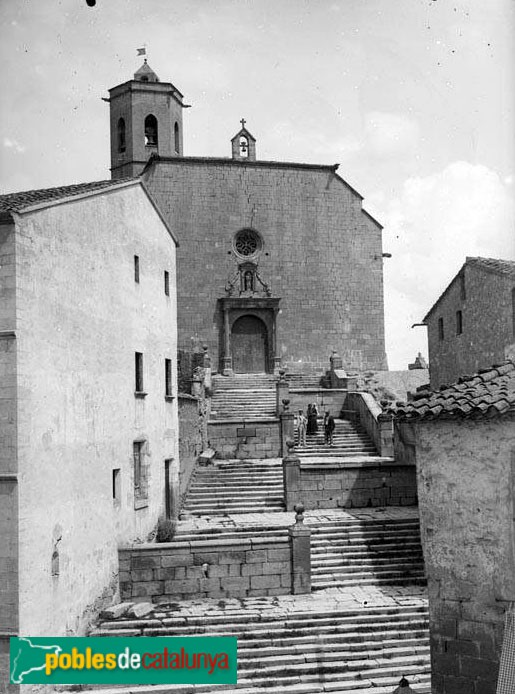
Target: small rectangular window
[
  {"x": 167, "y": 283},
  {"x": 459, "y": 322},
  {"x": 440, "y": 329},
  {"x": 463, "y": 292},
  {"x": 137, "y": 450},
  {"x": 139, "y": 372},
  {"x": 168, "y": 378},
  {"x": 116, "y": 485},
  {"x": 136, "y": 269}
]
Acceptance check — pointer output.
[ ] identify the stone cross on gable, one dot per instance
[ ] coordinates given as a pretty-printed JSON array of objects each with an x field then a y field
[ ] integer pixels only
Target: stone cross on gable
[{"x": 243, "y": 121}]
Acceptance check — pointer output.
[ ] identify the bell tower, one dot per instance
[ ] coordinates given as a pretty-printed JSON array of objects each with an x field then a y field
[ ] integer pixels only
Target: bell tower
[{"x": 145, "y": 119}]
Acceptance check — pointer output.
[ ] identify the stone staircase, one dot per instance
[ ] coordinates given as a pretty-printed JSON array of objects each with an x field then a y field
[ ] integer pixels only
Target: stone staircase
[
  {"x": 315, "y": 647},
  {"x": 235, "y": 487},
  {"x": 376, "y": 552},
  {"x": 349, "y": 440},
  {"x": 243, "y": 397}
]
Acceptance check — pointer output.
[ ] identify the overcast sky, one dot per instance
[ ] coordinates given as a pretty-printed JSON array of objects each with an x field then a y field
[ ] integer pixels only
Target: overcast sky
[{"x": 414, "y": 98}]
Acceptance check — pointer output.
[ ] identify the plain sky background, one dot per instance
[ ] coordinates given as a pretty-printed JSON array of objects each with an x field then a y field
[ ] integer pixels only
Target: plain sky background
[{"x": 413, "y": 98}]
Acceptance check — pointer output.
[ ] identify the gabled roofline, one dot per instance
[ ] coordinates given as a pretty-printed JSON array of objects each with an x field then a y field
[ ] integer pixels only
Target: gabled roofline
[
  {"x": 444, "y": 292},
  {"x": 471, "y": 262},
  {"x": 372, "y": 219},
  {"x": 53, "y": 202},
  {"x": 227, "y": 161},
  {"x": 245, "y": 133}
]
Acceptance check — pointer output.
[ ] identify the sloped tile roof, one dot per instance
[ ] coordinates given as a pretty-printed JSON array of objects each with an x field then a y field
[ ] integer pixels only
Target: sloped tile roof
[
  {"x": 19, "y": 201},
  {"x": 504, "y": 267},
  {"x": 489, "y": 393}
]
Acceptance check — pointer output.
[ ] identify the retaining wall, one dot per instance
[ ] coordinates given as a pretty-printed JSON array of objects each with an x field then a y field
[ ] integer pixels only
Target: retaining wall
[
  {"x": 230, "y": 568},
  {"x": 348, "y": 485}
]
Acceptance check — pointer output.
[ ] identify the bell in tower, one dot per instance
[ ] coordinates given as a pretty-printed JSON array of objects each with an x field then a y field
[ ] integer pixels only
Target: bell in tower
[
  {"x": 243, "y": 144},
  {"x": 146, "y": 119}
]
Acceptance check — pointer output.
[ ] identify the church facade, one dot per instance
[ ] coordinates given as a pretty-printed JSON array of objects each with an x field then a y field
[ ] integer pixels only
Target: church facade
[{"x": 278, "y": 264}]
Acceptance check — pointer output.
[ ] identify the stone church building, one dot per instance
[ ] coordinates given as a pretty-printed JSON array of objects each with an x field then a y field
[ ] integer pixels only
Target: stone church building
[{"x": 278, "y": 263}]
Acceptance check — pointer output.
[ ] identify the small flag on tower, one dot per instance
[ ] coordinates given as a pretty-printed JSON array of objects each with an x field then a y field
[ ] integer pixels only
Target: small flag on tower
[{"x": 142, "y": 51}]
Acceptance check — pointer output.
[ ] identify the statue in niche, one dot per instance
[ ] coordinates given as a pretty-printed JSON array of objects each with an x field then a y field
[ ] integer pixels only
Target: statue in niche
[{"x": 248, "y": 281}]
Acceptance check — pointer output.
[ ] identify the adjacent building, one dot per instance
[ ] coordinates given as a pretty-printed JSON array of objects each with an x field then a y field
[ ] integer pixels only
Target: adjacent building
[
  {"x": 472, "y": 325},
  {"x": 278, "y": 264},
  {"x": 463, "y": 441},
  {"x": 88, "y": 408}
]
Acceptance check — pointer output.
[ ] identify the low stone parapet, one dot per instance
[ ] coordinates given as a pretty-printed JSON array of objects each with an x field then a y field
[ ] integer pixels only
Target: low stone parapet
[
  {"x": 348, "y": 484},
  {"x": 249, "y": 438},
  {"x": 231, "y": 568}
]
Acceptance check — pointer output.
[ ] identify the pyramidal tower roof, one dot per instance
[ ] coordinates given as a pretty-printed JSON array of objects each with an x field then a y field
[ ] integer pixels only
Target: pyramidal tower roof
[{"x": 145, "y": 73}]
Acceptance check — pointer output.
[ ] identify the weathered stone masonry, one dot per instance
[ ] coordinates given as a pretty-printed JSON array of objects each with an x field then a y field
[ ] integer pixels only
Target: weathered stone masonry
[{"x": 322, "y": 254}]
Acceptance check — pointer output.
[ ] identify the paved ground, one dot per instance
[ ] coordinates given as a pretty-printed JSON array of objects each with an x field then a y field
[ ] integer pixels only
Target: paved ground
[{"x": 351, "y": 598}]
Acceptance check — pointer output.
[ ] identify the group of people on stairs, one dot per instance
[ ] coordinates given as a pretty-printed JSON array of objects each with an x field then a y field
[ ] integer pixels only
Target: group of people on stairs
[{"x": 308, "y": 425}]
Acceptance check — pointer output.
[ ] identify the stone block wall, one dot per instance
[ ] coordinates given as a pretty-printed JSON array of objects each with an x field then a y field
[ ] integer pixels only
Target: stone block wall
[
  {"x": 485, "y": 300},
  {"x": 215, "y": 569},
  {"x": 322, "y": 255},
  {"x": 252, "y": 439},
  {"x": 466, "y": 487},
  {"x": 192, "y": 436},
  {"x": 349, "y": 485}
]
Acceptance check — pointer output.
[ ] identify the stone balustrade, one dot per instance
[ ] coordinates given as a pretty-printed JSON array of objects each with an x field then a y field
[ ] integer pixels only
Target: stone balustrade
[{"x": 370, "y": 414}]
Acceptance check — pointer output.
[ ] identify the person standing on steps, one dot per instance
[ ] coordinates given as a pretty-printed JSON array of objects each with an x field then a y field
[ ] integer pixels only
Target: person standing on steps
[
  {"x": 312, "y": 419},
  {"x": 302, "y": 424},
  {"x": 328, "y": 428}
]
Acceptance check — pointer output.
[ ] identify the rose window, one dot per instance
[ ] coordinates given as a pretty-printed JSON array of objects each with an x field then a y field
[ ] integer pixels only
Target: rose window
[{"x": 247, "y": 243}]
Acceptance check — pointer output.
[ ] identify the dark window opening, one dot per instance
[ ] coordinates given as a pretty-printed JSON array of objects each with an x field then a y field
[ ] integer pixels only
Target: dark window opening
[
  {"x": 440, "y": 329},
  {"x": 459, "y": 322},
  {"x": 177, "y": 138},
  {"x": 139, "y": 372},
  {"x": 167, "y": 283},
  {"x": 136, "y": 269},
  {"x": 151, "y": 131},
  {"x": 137, "y": 453},
  {"x": 121, "y": 135},
  {"x": 116, "y": 485},
  {"x": 168, "y": 378},
  {"x": 463, "y": 291}
]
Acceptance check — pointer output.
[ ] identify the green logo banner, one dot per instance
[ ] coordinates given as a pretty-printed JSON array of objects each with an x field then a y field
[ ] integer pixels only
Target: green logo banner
[{"x": 136, "y": 660}]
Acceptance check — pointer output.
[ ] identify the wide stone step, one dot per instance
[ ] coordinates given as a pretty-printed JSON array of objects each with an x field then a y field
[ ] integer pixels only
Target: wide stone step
[
  {"x": 326, "y": 563},
  {"x": 287, "y": 631},
  {"x": 266, "y": 616},
  {"x": 338, "y": 645},
  {"x": 228, "y": 492},
  {"x": 334, "y": 582},
  {"x": 380, "y": 574},
  {"x": 226, "y": 510}
]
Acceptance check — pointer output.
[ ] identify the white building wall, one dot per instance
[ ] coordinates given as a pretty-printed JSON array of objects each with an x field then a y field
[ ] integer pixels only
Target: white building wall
[{"x": 80, "y": 319}]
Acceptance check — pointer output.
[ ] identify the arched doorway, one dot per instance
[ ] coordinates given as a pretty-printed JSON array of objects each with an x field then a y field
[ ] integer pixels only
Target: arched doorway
[{"x": 249, "y": 338}]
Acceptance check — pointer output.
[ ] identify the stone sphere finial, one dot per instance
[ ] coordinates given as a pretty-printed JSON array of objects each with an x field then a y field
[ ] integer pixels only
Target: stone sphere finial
[
  {"x": 290, "y": 445},
  {"x": 286, "y": 404},
  {"x": 282, "y": 374},
  {"x": 299, "y": 513}
]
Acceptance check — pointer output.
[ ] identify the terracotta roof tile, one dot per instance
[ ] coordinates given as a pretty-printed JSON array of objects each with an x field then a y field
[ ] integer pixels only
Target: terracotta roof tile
[
  {"x": 490, "y": 393},
  {"x": 18, "y": 201}
]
